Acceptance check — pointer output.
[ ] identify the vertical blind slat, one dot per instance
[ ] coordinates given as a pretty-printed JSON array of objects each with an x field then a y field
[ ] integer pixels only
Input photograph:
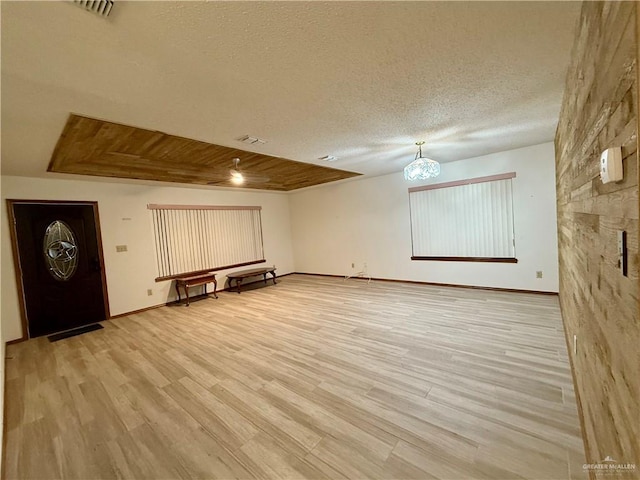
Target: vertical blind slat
[
  {"x": 190, "y": 240},
  {"x": 469, "y": 220}
]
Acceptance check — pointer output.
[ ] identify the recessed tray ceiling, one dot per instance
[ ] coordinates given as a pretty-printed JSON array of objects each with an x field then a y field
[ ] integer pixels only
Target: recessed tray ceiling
[{"x": 89, "y": 146}]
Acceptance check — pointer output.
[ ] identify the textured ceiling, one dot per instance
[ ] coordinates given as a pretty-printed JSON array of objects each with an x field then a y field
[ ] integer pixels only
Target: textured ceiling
[{"x": 359, "y": 80}]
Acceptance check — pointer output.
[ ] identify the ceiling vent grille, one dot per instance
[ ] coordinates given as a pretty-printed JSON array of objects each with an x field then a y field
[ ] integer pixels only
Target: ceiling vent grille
[
  {"x": 249, "y": 140},
  {"x": 99, "y": 7}
]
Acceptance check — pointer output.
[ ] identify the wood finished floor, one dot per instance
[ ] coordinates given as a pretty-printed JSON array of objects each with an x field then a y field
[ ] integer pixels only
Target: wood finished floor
[{"x": 311, "y": 378}]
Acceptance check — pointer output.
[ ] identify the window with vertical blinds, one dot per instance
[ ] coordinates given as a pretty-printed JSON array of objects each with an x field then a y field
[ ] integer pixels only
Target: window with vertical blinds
[
  {"x": 200, "y": 238},
  {"x": 469, "y": 220}
]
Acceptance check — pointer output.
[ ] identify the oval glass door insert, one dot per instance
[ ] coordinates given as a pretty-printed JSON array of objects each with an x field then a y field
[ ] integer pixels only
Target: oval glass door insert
[{"x": 60, "y": 250}]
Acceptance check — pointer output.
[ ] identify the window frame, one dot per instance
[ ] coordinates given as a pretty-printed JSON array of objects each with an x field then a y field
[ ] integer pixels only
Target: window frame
[
  {"x": 215, "y": 268},
  {"x": 457, "y": 183}
]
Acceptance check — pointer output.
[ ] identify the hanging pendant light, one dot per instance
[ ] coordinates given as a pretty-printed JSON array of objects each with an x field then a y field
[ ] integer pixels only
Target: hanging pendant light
[{"x": 421, "y": 168}]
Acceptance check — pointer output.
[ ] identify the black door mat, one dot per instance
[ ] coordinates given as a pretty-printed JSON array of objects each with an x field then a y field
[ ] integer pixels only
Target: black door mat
[{"x": 74, "y": 332}]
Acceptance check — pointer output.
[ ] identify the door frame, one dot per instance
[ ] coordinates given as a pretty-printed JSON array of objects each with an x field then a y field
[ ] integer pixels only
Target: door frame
[{"x": 18, "y": 267}]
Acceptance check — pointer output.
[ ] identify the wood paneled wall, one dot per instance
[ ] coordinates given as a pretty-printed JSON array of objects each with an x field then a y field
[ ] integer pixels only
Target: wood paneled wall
[{"x": 599, "y": 304}]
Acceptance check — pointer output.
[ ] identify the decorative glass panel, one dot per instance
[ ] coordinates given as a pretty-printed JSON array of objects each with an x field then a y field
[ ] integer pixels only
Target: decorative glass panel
[{"x": 60, "y": 250}]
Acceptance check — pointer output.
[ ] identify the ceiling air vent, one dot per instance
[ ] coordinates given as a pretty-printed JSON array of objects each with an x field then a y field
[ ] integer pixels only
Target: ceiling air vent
[
  {"x": 99, "y": 7},
  {"x": 249, "y": 140}
]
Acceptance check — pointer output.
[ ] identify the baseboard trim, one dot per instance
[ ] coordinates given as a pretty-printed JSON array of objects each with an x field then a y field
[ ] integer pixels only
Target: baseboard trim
[
  {"x": 174, "y": 302},
  {"x": 140, "y": 310},
  {"x": 512, "y": 290},
  {"x": 435, "y": 284}
]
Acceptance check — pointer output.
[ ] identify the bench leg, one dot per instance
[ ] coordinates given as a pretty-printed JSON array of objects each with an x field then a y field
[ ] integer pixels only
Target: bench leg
[
  {"x": 264, "y": 275},
  {"x": 238, "y": 283},
  {"x": 186, "y": 292},
  {"x": 273, "y": 274},
  {"x": 178, "y": 292},
  {"x": 215, "y": 287}
]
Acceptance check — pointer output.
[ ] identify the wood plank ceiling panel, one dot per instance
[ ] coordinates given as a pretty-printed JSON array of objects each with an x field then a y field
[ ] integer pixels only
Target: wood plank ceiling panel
[{"x": 88, "y": 146}]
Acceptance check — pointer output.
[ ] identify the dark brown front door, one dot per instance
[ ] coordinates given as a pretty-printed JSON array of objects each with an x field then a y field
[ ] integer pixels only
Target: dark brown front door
[{"x": 60, "y": 256}]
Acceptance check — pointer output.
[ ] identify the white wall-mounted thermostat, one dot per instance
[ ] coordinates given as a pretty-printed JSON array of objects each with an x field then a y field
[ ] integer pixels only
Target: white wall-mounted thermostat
[{"x": 611, "y": 165}]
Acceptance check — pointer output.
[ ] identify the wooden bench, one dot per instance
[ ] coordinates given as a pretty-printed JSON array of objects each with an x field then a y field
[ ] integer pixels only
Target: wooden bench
[
  {"x": 253, "y": 272},
  {"x": 195, "y": 280}
]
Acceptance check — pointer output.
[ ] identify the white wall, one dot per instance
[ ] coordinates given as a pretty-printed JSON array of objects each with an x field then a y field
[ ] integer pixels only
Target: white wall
[
  {"x": 129, "y": 274},
  {"x": 319, "y": 230},
  {"x": 367, "y": 220}
]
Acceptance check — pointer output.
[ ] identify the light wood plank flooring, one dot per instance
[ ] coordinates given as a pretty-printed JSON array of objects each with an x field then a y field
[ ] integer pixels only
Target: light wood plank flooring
[{"x": 312, "y": 378}]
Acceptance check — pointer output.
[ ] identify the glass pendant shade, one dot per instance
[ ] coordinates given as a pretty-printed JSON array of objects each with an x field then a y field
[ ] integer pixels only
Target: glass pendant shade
[{"x": 421, "y": 168}]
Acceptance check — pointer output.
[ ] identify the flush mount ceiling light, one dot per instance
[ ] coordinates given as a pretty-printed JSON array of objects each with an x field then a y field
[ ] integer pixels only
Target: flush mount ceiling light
[{"x": 421, "y": 168}]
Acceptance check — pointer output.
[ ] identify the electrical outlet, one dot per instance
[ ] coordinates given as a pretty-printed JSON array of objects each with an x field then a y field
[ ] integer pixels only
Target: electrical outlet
[
  {"x": 353, "y": 265},
  {"x": 539, "y": 274},
  {"x": 149, "y": 292},
  {"x": 121, "y": 248}
]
